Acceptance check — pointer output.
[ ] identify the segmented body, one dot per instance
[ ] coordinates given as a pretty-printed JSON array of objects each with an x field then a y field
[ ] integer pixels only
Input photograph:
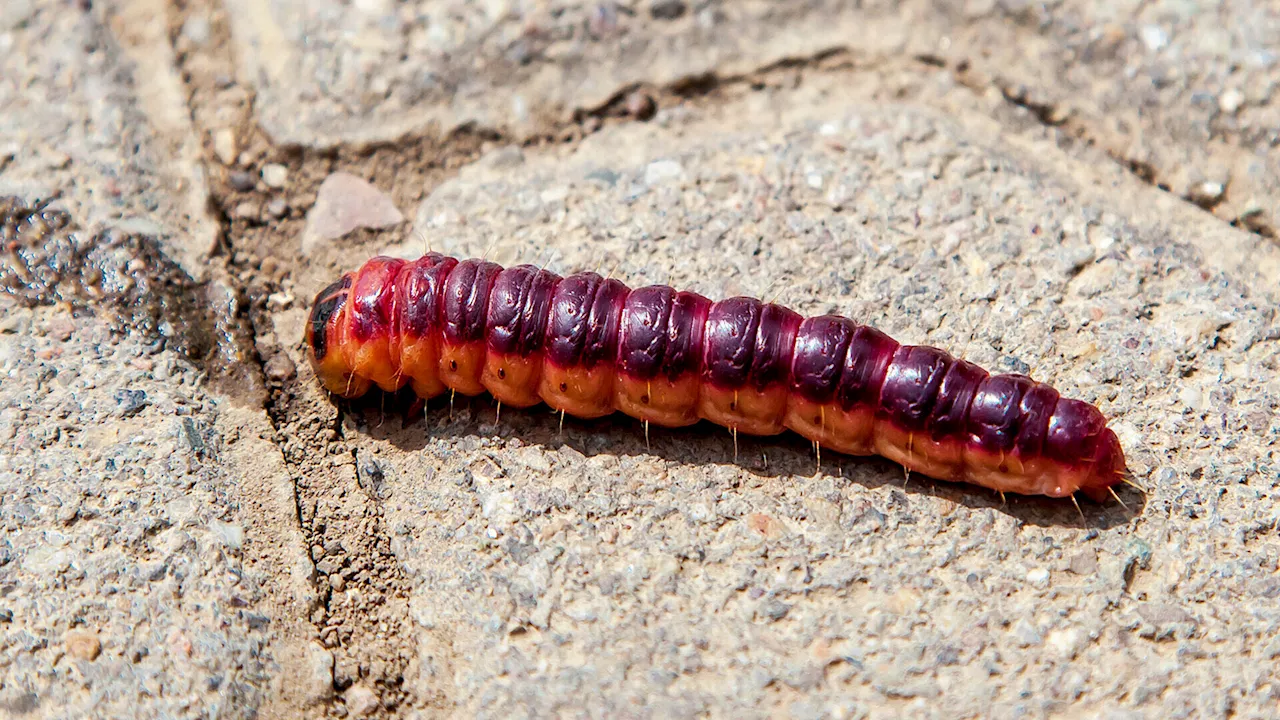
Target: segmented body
[{"x": 588, "y": 346}]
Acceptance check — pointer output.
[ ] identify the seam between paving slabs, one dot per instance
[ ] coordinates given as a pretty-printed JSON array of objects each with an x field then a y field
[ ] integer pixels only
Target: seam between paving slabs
[
  {"x": 1071, "y": 128},
  {"x": 356, "y": 653},
  {"x": 179, "y": 15}
]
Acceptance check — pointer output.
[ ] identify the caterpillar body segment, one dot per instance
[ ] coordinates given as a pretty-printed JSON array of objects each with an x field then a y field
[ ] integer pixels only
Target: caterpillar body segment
[{"x": 590, "y": 346}]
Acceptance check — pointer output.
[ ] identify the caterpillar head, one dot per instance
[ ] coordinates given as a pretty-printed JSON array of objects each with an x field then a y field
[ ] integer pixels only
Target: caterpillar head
[{"x": 323, "y": 336}]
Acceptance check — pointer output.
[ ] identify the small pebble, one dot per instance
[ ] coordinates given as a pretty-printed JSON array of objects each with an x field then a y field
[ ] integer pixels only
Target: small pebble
[
  {"x": 640, "y": 105},
  {"x": 361, "y": 701},
  {"x": 280, "y": 368},
  {"x": 776, "y": 609},
  {"x": 231, "y": 534},
  {"x": 709, "y": 17},
  {"x": 61, "y": 329},
  {"x": 1163, "y": 614},
  {"x": 1154, "y": 37},
  {"x": 1207, "y": 193},
  {"x": 667, "y": 9},
  {"x": 131, "y": 402},
  {"x": 344, "y": 203},
  {"x": 1084, "y": 563},
  {"x": 317, "y": 684},
  {"x": 14, "y": 324},
  {"x": 280, "y": 300},
  {"x": 1039, "y": 577},
  {"x": 603, "y": 20},
  {"x": 247, "y": 210},
  {"x": 375, "y": 8},
  {"x": 660, "y": 170},
  {"x": 275, "y": 175},
  {"x": 604, "y": 175},
  {"x": 277, "y": 208},
  {"x": 82, "y": 645},
  {"x": 241, "y": 181},
  {"x": 1026, "y": 634},
  {"x": 225, "y": 146},
  {"x": 197, "y": 29},
  {"x": 507, "y": 156},
  {"x": 1230, "y": 101},
  {"x": 1066, "y": 641}
]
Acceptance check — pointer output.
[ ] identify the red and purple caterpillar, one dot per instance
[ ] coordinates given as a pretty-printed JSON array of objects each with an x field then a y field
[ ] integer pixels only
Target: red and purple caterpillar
[{"x": 587, "y": 346}]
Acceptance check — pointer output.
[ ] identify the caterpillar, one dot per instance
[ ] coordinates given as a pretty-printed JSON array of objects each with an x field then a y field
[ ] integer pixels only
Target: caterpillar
[{"x": 587, "y": 345}]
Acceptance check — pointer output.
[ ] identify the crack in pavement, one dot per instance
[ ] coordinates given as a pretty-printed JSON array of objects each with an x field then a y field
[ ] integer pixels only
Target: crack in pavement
[{"x": 1073, "y": 129}]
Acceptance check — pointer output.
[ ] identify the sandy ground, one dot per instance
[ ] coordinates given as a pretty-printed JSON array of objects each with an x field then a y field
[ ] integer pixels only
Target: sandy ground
[{"x": 1084, "y": 191}]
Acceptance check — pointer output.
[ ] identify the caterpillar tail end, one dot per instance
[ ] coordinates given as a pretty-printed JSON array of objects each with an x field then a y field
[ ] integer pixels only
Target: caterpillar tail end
[{"x": 1109, "y": 469}]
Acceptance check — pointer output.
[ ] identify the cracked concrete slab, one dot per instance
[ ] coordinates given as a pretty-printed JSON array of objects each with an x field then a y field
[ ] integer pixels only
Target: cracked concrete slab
[
  {"x": 584, "y": 570},
  {"x": 1184, "y": 94}
]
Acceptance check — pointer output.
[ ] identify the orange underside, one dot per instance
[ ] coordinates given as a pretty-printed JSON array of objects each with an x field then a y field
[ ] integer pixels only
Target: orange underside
[
  {"x": 513, "y": 379},
  {"x": 748, "y": 410},
  {"x": 578, "y": 391},
  {"x": 433, "y": 366}
]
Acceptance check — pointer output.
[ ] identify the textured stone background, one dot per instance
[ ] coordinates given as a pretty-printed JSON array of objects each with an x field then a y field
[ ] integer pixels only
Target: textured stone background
[{"x": 188, "y": 528}]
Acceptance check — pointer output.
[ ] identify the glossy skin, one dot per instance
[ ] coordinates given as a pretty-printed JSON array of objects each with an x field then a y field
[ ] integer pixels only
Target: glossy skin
[{"x": 591, "y": 346}]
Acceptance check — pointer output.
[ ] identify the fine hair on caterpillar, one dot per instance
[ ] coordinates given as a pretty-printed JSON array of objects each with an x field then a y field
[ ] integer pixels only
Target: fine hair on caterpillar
[{"x": 589, "y": 346}]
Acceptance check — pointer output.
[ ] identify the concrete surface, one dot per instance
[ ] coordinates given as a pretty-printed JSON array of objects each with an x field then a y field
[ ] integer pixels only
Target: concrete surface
[{"x": 1080, "y": 190}]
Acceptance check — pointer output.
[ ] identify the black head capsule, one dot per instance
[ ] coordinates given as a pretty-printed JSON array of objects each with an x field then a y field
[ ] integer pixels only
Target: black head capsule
[{"x": 328, "y": 302}]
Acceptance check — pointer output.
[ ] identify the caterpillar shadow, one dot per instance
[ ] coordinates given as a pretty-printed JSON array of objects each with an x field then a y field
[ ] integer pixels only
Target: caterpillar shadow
[{"x": 400, "y": 419}]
